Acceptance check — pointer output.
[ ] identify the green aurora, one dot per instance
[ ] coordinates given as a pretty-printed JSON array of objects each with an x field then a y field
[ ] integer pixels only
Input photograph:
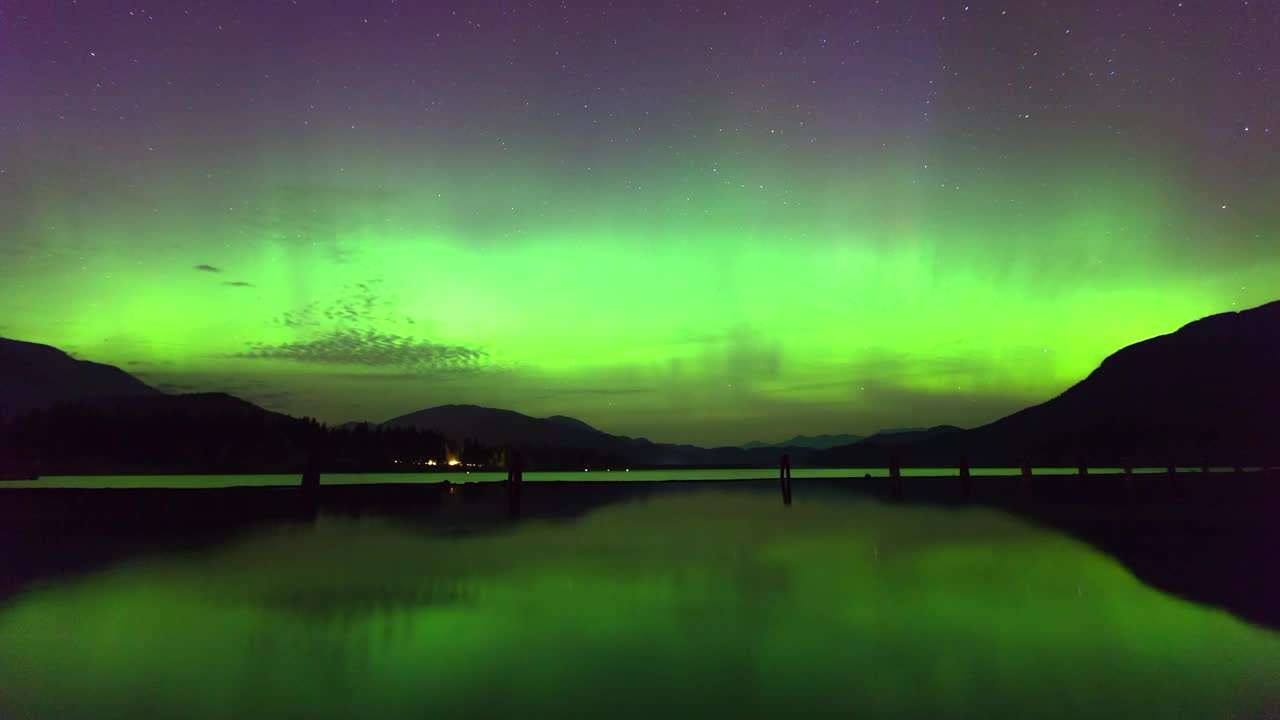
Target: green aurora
[
  {"x": 682, "y": 221},
  {"x": 735, "y": 295}
]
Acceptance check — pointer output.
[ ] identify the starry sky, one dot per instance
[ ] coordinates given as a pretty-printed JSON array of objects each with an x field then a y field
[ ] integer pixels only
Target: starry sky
[{"x": 692, "y": 221}]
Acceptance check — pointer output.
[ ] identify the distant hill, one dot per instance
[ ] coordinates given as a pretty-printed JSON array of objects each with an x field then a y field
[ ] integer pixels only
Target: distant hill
[
  {"x": 34, "y": 377},
  {"x": 94, "y": 419},
  {"x": 826, "y": 442},
  {"x": 564, "y": 441},
  {"x": 900, "y": 431},
  {"x": 876, "y": 449},
  {"x": 812, "y": 442},
  {"x": 496, "y": 427},
  {"x": 206, "y": 432},
  {"x": 572, "y": 422},
  {"x": 907, "y": 437},
  {"x": 204, "y": 405},
  {"x": 1210, "y": 391}
]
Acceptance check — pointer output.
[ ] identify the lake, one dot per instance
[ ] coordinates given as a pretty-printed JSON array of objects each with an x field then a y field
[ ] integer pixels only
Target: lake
[
  {"x": 705, "y": 602},
  {"x": 209, "y": 481}
]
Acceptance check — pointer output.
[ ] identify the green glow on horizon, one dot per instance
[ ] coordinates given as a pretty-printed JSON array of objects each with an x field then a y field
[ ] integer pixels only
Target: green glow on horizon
[{"x": 737, "y": 296}]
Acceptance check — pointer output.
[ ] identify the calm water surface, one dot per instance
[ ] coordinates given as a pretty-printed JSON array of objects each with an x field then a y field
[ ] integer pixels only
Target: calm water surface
[{"x": 695, "y": 603}]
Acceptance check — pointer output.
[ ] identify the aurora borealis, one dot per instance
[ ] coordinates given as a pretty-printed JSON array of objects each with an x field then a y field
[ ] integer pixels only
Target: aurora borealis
[{"x": 703, "y": 222}]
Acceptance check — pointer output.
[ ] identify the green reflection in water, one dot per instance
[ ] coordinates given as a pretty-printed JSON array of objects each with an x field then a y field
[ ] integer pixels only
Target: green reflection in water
[{"x": 713, "y": 602}]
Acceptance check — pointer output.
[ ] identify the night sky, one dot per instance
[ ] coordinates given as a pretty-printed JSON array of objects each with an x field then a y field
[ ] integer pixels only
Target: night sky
[{"x": 706, "y": 222}]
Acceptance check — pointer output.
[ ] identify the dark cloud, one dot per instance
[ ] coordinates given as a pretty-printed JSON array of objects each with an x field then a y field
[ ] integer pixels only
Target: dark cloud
[
  {"x": 238, "y": 283},
  {"x": 364, "y": 304},
  {"x": 373, "y": 349},
  {"x": 302, "y": 317},
  {"x": 208, "y": 268}
]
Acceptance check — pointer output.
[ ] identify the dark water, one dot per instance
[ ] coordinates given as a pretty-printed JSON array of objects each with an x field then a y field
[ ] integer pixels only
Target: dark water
[{"x": 686, "y": 604}]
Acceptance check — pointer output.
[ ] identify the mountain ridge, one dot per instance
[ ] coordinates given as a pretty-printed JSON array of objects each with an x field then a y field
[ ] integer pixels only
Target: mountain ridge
[
  {"x": 1209, "y": 390},
  {"x": 37, "y": 376},
  {"x": 813, "y": 442},
  {"x": 1205, "y": 392}
]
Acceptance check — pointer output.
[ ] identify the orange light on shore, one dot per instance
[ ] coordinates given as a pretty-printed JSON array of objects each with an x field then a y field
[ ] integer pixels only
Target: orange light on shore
[{"x": 454, "y": 461}]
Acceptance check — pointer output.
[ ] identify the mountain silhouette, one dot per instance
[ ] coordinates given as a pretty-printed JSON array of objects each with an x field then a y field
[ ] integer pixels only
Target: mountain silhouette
[
  {"x": 36, "y": 377},
  {"x": 1208, "y": 392},
  {"x": 573, "y": 438},
  {"x": 209, "y": 404},
  {"x": 813, "y": 442},
  {"x": 573, "y": 422},
  {"x": 908, "y": 437},
  {"x": 900, "y": 431},
  {"x": 496, "y": 427}
]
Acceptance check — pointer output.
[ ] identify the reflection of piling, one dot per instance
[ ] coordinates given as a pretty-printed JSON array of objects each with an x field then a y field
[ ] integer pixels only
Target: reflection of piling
[
  {"x": 310, "y": 488},
  {"x": 895, "y": 477},
  {"x": 784, "y": 478},
  {"x": 966, "y": 481},
  {"x": 1026, "y": 473},
  {"x": 311, "y": 475},
  {"x": 1128, "y": 475},
  {"x": 515, "y": 478}
]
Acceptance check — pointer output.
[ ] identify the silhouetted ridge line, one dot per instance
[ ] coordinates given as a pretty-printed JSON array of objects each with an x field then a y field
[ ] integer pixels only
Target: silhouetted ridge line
[
  {"x": 35, "y": 376},
  {"x": 1209, "y": 392}
]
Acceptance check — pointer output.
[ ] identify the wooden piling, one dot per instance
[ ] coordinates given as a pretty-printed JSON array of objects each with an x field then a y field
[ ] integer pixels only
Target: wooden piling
[
  {"x": 966, "y": 481},
  {"x": 1026, "y": 473},
  {"x": 895, "y": 477},
  {"x": 515, "y": 478},
  {"x": 784, "y": 478},
  {"x": 311, "y": 475},
  {"x": 309, "y": 493}
]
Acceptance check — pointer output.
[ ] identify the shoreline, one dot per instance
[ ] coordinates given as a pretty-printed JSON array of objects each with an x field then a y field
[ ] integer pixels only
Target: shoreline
[{"x": 641, "y": 475}]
